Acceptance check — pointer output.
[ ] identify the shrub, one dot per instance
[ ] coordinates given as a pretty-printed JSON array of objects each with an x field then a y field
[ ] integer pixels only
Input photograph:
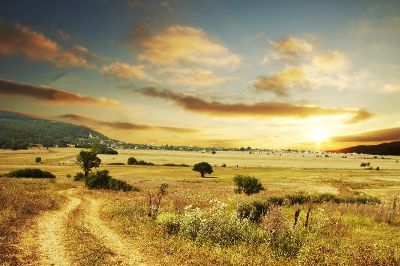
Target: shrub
[
  {"x": 99, "y": 148},
  {"x": 99, "y": 180},
  {"x": 253, "y": 211},
  {"x": 176, "y": 165},
  {"x": 38, "y": 159},
  {"x": 170, "y": 221},
  {"x": 79, "y": 176},
  {"x": 364, "y": 164},
  {"x": 154, "y": 200},
  {"x": 30, "y": 172},
  {"x": 132, "y": 161},
  {"x": 223, "y": 165},
  {"x": 144, "y": 163},
  {"x": 102, "y": 180},
  {"x": 277, "y": 201},
  {"x": 326, "y": 197},
  {"x": 115, "y": 164},
  {"x": 299, "y": 198},
  {"x": 219, "y": 227},
  {"x": 203, "y": 168},
  {"x": 247, "y": 184},
  {"x": 119, "y": 185}
]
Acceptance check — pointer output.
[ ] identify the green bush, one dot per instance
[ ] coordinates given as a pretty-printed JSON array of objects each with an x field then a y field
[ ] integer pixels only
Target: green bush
[
  {"x": 99, "y": 180},
  {"x": 30, "y": 172},
  {"x": 217, "y": 226},
  {"x": 79, "y": 176},
  {"x": 203, "y": 168},
  {"x": 170, "y": 221},
  {"x": 176, "y": 165},
  {"x": 102, "y": 180},
  {"x": 132, "y": 161},
  {"x": 141, "y": 162},
  {"x": 299, "y": 198},
  {"x": 119, "y": 185},
  {"x": 277, "y": 201},
  {"x": 247, "y": 184},
  {"x": 38, "y": 159},
  {"x": 253, "y": 211}
]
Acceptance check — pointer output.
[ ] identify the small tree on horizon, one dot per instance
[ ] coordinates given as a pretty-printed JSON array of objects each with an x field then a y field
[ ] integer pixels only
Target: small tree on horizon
[
  {"x": 88, "y": 160},
  {"x": 38, "y": 159},
  {"x": 203, "y": 168},
  {"x": 132, "y": 161}
]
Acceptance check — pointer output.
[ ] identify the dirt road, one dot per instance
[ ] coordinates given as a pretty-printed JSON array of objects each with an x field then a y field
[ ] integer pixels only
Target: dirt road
[{"x": 75, "y": 234}]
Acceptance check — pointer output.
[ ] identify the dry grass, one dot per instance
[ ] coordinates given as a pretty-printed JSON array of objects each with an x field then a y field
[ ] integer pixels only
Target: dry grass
[
  {"x": 337, "y": 234},
  {"x": 20, "y": 201}
]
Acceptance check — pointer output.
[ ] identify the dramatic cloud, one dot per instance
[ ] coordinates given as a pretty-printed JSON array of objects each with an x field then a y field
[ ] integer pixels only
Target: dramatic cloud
[
  {"x": 19, "y": 39},
  {"x": 196, "y": 77},
  {"x": 281, "y": 82},
  {"x": 124, "y": 71},
  {"x": 123, "y": 125},
  {"x": 266, "y": 109},
  {"x": 185, "y": 45},
  {"x": 291, "y": 47},
  {"x": 388, "y": 134},
  {"x": 50, "y": 95}
]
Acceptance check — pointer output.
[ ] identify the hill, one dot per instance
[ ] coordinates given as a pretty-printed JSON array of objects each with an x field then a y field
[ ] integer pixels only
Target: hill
[
  {"x": 391, "y": 148},
  {"x": 18, "y": 131}
]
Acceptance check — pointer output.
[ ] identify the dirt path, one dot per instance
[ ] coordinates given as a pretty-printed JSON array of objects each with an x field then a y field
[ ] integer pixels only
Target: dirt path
[{"x": 52, "y": 229}]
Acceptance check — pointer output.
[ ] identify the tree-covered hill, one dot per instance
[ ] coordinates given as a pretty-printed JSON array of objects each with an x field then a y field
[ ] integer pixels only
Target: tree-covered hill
[{"x": 19, "y": 131}]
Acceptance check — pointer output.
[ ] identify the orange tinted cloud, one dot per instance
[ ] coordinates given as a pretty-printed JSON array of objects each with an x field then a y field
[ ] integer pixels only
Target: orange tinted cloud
[
  {"x": 19, "y": 39},
  {"x": 180, "y": 44},
  {"x": 124, "y": 125},
  {"x": 50, "y": 95},
  {"x": 125, "y": 71},
  {"x": 280, "y": 83},
  {"x": 266, "y": 109},
  {"x": 196, "y": 77},
  {"x": 387, "y": 134},
  {"x": 331, "y": 61},
  {"x": 291, "y": 47}
]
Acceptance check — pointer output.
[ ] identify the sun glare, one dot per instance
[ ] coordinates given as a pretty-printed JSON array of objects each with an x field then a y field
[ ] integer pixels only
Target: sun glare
[{"x": 319, "y": 135}]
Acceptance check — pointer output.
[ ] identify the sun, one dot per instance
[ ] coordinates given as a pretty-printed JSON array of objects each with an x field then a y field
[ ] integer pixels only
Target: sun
[{"x": 319, "y": 135}]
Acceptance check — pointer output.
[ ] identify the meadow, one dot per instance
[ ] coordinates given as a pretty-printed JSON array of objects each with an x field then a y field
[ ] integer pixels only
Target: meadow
[{"x": 108, "y": 228}]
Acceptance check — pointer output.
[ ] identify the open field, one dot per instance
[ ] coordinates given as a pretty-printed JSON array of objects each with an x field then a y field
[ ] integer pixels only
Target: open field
[{"x": 62, "y": 222}]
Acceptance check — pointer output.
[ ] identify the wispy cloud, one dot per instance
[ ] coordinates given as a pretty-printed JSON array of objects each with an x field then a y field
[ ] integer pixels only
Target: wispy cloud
[
  {"x": 125, "y": 71},
  {"x": 263, "y": 109},
  {"x": 124, "y": 125},
  {"x": 195, "y": 77},
  {"x": 387, "y": 134},
  {"x": 19, "y": 39},
  {"x": 50, "y": 95}
]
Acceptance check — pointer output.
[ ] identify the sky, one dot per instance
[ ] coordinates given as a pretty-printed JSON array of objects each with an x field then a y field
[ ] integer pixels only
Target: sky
[{"x": 269, "y": 74}]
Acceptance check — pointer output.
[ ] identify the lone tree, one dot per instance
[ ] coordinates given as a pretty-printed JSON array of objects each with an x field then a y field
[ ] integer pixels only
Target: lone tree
[
  {"x": 88, "y": 160},
  {"x": 203, "y": 168},
  {"x": 247, "y": 184},
  {"x": 38, "y": 159}
]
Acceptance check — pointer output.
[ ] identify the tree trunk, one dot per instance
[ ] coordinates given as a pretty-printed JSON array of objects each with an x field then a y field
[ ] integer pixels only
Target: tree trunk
[{"x": 202, "y": 174}]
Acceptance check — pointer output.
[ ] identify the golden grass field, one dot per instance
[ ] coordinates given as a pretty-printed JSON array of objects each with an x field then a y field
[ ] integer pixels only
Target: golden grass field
[{"x": 353, "y": 234}]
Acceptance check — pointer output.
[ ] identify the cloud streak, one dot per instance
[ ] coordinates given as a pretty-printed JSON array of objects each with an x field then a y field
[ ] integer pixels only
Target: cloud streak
[
  {"x": 51, "y": 95},
  {"x": 19, "y": 39},
  {"x": 387, "y": 134},
  {"x": 263, "y": 109},
  {"x": 124, "y": 125}
]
